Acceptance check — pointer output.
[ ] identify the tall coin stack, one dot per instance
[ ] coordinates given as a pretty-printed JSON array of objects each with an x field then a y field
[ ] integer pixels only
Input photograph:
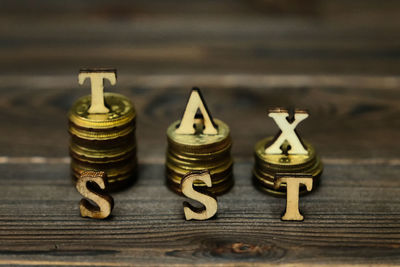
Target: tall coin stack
[
  {"x": 103, "y": 141},
  {"x": 199, "y": 150},
  {"x": 302, "y": 161}
]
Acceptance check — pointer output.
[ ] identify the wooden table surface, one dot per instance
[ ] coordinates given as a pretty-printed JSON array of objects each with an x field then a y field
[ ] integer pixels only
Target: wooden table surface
[{"x": 338, "y": 59}]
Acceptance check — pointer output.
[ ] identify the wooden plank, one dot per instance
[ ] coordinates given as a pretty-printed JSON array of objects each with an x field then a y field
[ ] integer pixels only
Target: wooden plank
[
  {"x": 344, "y": 122},
  {"x": 339, "y": 59},
  {"x": 224, "y": 37},
  {"x": 353, "y": 217},
  {"x": 260, "y": 52},
  {"x": 167, "y": 7}
]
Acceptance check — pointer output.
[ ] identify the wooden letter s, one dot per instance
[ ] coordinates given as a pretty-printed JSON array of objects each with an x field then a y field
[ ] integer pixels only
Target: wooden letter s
[
  {"x": 205, "y": 198},
  {"x": 104, "y": 202}
]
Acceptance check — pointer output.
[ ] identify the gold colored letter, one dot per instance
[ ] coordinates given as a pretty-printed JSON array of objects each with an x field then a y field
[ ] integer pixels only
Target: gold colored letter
[
  {"x": 287, "y": 132},
  {"x": 97, "y": 77},
  {"x": 105, "y": 203},
  {"x": 293, "y": 182},
  {"x": 196, "y": 102},
  {"x": 209, "y": 201}
]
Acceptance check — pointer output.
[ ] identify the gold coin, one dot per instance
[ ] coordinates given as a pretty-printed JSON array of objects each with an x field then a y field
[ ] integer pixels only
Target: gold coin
[
  {"x": 101, "y": 135},
  {"x": 184, "y": 169},
  {"x": 215, "y": 177},
  {"x": 121, "y": 112},
  {"x": 198, "y": 156},
  {"x": 217, "y": 189},
  {"x": 117, "y": 143},
  {"x": 282, "y": 191},
  {"x": 282, "y": 160},
  {"x": 105, "y": 159},
  {"x": 98, "y": 153},
  {"x": 112, "y": 170},
  {"x": 199, "y": 142},
  {"x": 116, "y": 184},
  {"x": 205, "y": 164},
  {"x": 215, "y": 180},
  {"x": 268, "y": 168},
  {"x": 268, "y": 178}
]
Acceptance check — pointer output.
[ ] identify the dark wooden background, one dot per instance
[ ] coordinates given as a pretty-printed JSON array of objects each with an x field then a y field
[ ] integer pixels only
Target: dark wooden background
[{"x": 339, "y": 59}]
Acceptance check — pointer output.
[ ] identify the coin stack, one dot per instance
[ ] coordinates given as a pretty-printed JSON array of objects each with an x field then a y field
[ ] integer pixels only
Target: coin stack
[
  {"x": 104, "y": 142},
  {"x": 268, "y": 165},
  {"x": 197, "y": 152}
]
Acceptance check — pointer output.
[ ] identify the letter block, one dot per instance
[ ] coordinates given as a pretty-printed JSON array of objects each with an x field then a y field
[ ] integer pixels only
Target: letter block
[
  {"x": 104, "y": 202},
  {"x": 196, "y": 102},
  {"x": 293, "y": 182},
  {"x": 288, "y": 132},
  {"x": 205, "y": 198},
  {"x": 97, "y": 77}
]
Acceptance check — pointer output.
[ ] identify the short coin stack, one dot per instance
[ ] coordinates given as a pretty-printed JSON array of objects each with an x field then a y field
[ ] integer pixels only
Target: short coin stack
[
  {"x": 285, "y": 154},
  {"x": 267, "y": 166},
  {"x": 104, "y": 142},
  {"x": 198, "y": 152}
]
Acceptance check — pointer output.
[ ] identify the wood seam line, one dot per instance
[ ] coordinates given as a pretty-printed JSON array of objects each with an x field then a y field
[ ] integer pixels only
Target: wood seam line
[
  {"x": 83, "y": 263},
  {"x": 256, "y": 81},
  {"x": 156, "y": 160}
]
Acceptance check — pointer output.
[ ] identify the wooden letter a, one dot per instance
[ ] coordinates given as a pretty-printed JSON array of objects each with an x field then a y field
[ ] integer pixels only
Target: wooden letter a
[{"x": 196, "y": 102}]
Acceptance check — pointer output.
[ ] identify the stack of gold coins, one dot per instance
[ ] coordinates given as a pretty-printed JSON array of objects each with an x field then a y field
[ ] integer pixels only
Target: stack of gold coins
[
  {"x": 268, "y": 165},
  {"x": 105, "y": 141},
  {"x": 199, "y": 151},
  {"x": 286, "y": 154}
]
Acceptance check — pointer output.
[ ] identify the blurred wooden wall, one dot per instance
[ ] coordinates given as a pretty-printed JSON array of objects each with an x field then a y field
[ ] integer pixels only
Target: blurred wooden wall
[{"x": 228, "y": 36}]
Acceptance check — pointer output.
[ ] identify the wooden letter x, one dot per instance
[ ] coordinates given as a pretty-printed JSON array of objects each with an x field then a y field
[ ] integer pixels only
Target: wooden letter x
[
  {"x": 205, "y": 198},
  {"x": 287, "y": 132},
  {"x": 97, "y": 77},
  {"x": 293, "y": 182},
  {"x": 104, "y": 202},
  {"x": 196, "y": 102}
]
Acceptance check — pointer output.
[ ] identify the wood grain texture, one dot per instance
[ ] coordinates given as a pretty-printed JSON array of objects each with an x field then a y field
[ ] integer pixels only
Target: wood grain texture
[
  {"x": 344, "y": 122},
  {"x": 338, "y": 59},
  {"x": 353, "y": 217},
  {"x": 229, "y": 36}
]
